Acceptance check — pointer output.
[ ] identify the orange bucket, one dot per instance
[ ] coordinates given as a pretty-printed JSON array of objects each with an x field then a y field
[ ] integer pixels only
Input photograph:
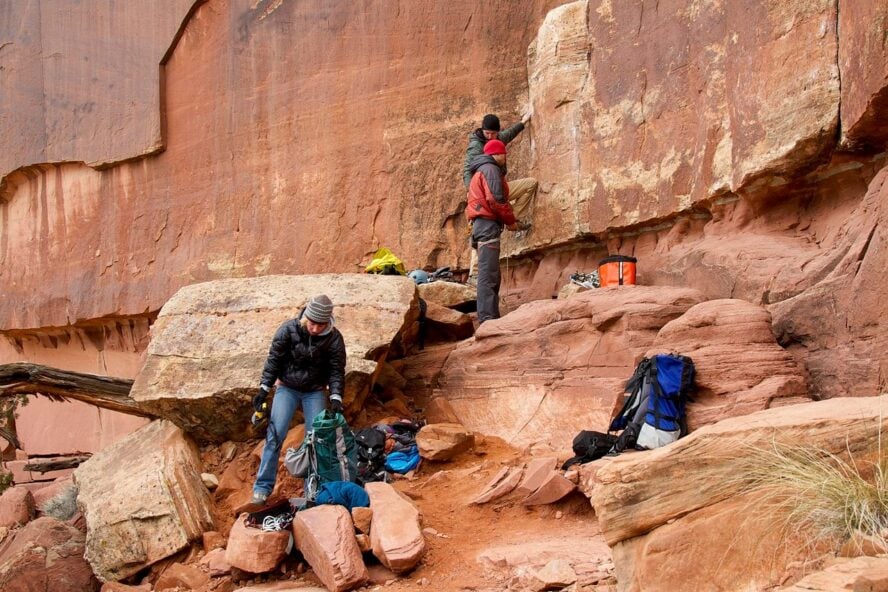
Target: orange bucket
[{"x": 617, "y": 270}]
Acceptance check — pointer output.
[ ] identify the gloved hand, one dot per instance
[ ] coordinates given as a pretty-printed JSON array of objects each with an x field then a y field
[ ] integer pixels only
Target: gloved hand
[
  {"x": 336, "y": 406},
  {"x": 522, "y": 225},
  {"x": 259, "y": 399}
]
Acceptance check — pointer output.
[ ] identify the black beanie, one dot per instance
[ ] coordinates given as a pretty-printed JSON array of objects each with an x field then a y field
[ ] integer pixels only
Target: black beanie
[{"x": 490, "y": 123}]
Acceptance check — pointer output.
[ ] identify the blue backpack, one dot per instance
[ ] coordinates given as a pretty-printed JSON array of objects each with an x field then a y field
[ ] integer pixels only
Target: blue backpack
[{"x": 653, "y": 413}]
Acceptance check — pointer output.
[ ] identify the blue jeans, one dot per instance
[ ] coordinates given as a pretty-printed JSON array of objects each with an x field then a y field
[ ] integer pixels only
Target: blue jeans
[{"x": 283, "y": 406}]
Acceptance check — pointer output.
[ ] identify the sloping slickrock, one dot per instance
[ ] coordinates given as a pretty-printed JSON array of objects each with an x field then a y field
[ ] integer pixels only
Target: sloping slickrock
[
  {"x": 667, "y": 509},
  {"x": 740, "y": 368},
  {"x": 839, "y": 319},
  {"x": 326, "y": 537},
  {"x": 143, "y": 500},
  {"x": 395, "y": 532},
  {"x": 558, "y": 362},
  {"x": 17, "y": 507},
  {"x": 443, "y": 441},
  {"x": 256, "y": 550},
  {"x": 447, "y": 294},
  {"x": 711, "y": 538},
  {"x": 46, "y": 556},
  {"x": 863, "y": 574},
  {"x": 422, "y": 370},
  {"x": 210, "y": 342},
  {"x": 697, "y": 106},
  {"x": 863, "y": 61}
]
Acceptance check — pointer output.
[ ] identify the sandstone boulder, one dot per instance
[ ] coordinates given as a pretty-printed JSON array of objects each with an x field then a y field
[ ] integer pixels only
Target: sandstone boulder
[
  {"x": 554, "y": 487},
  {"x": 448, "y": 294},
  {"x": 555, "y": 575},
  {"x": 178, "y": 576},
  {"x": 46, "y": 556},
  {"x": 688, "y": 496},
  {"x": 538, "y": 469},
  {"x": 363, "y": 518},
  {"x": 210, "y": 342},
  {"x": 213, "y": 540},
  {"x": 443, "y": 441},
  {"x": 501, "y": 484},
  {"x": 255, "y": 550},
  {"x": 17, "y": 507},
  {"x": 395, "y": 532},
  {"x": 326, "y": 537},
  {"x": 445, "y": 324},
  {"x": 143, "y": 500},
  {"x": 215, "y": 563},
  {"x": 561, "y": 362},
  {"x": 740, "y": 367}
]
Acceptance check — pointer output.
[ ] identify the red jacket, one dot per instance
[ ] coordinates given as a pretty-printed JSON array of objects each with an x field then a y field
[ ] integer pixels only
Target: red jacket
[{"x": 489, "y": 194}]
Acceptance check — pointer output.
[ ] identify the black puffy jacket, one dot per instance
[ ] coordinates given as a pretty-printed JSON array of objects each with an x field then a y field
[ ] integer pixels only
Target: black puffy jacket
[{"x": 305, "y": 362}]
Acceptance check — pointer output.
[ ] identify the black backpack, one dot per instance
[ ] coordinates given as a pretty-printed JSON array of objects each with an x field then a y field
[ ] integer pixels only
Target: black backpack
[
  {"x": 370, "y": 444},
  {"x": 588, "y": 446}
]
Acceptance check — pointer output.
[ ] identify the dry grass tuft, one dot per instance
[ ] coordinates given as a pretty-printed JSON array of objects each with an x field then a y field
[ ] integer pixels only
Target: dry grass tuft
[{"x": 823, "y": 497}]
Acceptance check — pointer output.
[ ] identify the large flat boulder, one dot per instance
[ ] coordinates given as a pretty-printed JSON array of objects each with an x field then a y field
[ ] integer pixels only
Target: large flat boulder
[
  {"x": 552, "y": 368},
  {"x": 326, "y": 537},
  {"x": 676, "y": 516},
  {"x": 740, "y": 367},
  {"x": 46, "y": 556},
  {"x": 395, "y": 533},
  {"x": 210, "y": 342},
  {"x": 143, "y": 500}
]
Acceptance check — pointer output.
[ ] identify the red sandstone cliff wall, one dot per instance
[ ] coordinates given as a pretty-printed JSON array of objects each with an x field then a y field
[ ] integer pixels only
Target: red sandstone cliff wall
[{"x": 724, "y": 146}]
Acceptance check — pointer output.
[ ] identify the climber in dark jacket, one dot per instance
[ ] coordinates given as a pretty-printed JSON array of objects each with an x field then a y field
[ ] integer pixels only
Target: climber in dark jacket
[
  {"x": 307, "y": 355},
  {"x": 489, "y": 130}
]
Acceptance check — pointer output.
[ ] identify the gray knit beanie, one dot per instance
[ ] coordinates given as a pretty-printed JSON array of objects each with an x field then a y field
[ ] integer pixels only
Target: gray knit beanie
[{"x": 319, "y": 309}]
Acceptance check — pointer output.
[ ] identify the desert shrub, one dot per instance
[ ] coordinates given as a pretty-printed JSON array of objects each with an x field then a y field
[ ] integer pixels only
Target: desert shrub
[
  {"x": 5, "y": 480},
  {"x": 824, "y": 496},
  {"x": 63, "y": 506}
]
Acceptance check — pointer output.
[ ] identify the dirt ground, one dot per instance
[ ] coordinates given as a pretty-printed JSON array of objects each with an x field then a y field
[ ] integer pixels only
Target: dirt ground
[{"x": 515, "y": 539}]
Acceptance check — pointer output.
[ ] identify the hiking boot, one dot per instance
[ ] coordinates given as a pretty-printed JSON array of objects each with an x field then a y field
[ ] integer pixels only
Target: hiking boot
[{"x": 258, "y": 499}]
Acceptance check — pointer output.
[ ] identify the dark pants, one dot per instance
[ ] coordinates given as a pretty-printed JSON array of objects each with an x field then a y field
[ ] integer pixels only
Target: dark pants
[{"x": 488, "y": 281}]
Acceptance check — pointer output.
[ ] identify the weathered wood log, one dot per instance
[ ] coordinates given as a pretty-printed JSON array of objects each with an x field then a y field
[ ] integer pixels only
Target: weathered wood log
[
  {"x": 46, "y": 465},
  {"x": 102, "y": 391}
]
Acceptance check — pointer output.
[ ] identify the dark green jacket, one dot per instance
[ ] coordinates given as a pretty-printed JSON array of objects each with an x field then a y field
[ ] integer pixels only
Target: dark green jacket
[{"x": 476, "y": 147}]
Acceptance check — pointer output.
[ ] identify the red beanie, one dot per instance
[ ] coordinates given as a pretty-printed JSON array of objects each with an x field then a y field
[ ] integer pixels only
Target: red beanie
[{"x": 494, "y": 147}]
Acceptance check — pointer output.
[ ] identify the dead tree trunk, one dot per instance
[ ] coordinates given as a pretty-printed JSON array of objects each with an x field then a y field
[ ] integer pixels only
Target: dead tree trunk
[{"x": 101, "y": 391}]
